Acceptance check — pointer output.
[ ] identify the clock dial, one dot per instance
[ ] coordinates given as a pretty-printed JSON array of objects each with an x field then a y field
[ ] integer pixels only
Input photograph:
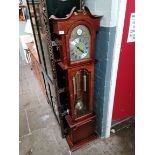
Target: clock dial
[{"x": 80, "y": 43}]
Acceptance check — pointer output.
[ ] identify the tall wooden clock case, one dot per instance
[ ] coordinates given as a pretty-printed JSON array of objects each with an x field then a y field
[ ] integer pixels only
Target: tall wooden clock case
[{"x": 77, "y": 34}]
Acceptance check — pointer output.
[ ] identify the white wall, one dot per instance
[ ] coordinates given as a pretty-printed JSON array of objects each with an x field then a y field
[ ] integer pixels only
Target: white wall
[
  {"x": 112, "y": 10},
  {"x": 21, "y": 32},
  {"x": 117, "y": 48},
  {"x": 107, "y": 8}
]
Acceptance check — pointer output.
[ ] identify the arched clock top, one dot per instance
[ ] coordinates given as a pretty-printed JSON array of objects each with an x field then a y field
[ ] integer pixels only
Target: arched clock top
[
  {"x": 61, "y": 26},
  {"x": 53, "y": 17},
  {"x": 74, "y": 12}
]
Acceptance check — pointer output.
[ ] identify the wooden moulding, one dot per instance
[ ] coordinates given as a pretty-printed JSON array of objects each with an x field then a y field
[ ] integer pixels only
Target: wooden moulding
[
  {"x": 81, "y": 132},
  {"x": 63, "y": 27}
]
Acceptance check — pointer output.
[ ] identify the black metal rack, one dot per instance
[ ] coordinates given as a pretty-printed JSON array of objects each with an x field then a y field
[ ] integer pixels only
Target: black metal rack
[{"x": 49, "y": 54}]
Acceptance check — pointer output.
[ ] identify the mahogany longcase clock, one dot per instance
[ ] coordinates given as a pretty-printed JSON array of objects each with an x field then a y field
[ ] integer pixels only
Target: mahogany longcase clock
[{"x": 76, "y": 36}]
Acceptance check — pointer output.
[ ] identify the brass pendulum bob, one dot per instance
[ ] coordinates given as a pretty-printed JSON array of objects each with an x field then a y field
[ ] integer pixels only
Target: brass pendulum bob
[{"x": 79, "y": 105}]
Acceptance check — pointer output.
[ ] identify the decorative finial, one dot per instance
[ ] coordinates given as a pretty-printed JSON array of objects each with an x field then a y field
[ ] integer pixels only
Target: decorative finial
[{"x": 82, "y": 5}]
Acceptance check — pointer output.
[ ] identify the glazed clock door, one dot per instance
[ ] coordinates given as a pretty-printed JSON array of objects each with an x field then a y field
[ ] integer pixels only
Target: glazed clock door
[
  {"x": 79, "y": 43},
  {"x": 81, "y": 92},
  {"x": 81, "y": 82}
]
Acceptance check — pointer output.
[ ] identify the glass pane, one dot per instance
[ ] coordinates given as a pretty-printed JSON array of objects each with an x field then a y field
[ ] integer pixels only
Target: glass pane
[
  {"x": 80, "y": 43},
  {"x": 81, "y": 93}
]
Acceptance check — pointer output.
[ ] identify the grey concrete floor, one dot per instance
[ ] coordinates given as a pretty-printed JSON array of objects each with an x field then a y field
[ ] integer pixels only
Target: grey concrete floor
[{"x": 39, "y": 132}]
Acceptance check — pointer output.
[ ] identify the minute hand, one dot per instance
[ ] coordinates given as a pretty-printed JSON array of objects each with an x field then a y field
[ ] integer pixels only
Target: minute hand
[{"x": 80, "y": 49}]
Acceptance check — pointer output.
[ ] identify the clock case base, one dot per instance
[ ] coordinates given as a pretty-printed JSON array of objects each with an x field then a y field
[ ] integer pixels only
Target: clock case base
[
  {"x": 74, "y": 147},
  {"x": 81, "y": 132}
]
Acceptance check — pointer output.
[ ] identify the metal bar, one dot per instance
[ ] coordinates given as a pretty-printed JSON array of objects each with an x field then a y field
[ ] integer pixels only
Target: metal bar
[
  {"x": 39, "y": 37},
  {"x": 74, "y": 85},
  {"x": 84, "y": 81},
  {"x": 33, "y": 29}
]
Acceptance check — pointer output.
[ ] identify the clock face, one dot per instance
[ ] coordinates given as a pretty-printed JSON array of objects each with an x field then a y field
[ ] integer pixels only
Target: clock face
[{"x": 79, "y": 43}]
